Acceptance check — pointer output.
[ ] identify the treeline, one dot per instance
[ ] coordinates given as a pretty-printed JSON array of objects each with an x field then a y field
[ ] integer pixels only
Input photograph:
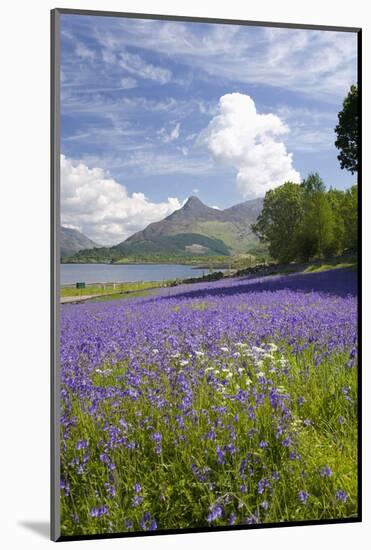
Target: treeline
[
  {"x": 105, "y": 256},
  {"x": 300, "y": 222}
]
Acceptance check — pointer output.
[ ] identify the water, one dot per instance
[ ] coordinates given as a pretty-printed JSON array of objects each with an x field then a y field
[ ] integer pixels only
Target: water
[{"x": 106, "y": 273}]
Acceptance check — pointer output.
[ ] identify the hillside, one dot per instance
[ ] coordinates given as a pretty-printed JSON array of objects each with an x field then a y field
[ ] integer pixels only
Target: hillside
[
  {"x": 232, "y": 225},
  {"x": 194, "y": 230},
  {"x": 72, "y": 241}
]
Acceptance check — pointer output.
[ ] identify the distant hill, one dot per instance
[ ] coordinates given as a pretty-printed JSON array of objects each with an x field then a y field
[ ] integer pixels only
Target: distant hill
[
  {"x": 231, "y": 226},
  {"x": 72, "y": 241},
  {"x": 194, "y": 230}
]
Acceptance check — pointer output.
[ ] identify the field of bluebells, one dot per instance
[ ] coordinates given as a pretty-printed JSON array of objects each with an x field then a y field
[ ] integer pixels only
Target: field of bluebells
[{"x": 214, "y": 404}]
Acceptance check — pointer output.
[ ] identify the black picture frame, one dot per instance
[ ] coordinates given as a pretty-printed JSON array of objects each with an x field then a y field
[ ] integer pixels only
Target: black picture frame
[{"x": 55, "y": 279}]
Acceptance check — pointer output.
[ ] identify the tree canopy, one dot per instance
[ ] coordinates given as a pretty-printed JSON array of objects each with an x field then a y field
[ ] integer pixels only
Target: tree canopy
[
  {"x": 347, "y": 132},
  {"x": 279, "y": 221},
  {"x": 304, "y": 221}
]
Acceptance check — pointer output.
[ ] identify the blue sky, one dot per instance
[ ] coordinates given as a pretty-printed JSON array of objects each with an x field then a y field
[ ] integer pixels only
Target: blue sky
[{"x": 155, "y": 111}]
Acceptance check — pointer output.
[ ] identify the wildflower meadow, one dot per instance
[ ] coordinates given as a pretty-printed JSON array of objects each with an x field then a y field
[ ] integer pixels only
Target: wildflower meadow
[{"x": 213, "y": 404}]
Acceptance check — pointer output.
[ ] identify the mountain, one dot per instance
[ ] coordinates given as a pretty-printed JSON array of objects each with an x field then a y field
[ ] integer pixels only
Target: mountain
[
  {"x": 194, "y": 230},
  {"x": 71, "y": 241},
  {"x": 231, "y": 226}
]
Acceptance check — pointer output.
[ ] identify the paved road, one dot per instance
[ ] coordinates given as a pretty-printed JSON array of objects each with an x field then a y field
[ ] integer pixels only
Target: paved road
[{"x": 74, "y": 299}]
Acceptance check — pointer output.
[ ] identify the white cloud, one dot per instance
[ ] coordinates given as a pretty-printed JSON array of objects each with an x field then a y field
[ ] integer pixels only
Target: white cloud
[
  {"x": 184, "y": 151},
  {"x": 145, "y": 161},
  {"x": 171, "y": 136},
  {"x": 311, "y": 130},
  {"x": 134, "y": 64},
  {"x": 191, "y": 137},
  {"x": 84, "y": 52},
  {"x": 175, "y": 132},
  {"x": 128, "y": 83},
  {"x": 318, "y": 63},
  {"x": 101, "y": 208},
  {"x": 240, "y": 137}
]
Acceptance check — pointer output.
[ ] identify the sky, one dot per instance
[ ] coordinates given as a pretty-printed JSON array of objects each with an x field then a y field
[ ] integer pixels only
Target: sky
[{"x": 153, "y": 112}]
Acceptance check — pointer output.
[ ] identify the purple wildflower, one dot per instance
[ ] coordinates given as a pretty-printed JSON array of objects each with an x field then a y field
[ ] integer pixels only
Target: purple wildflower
[
  {"x": 216, "y": 512},
  {"x": 303, "y": 496},
  {"x": 148, "y": 523},
  {"x": 65, "y": 486},
  {"x": 253, "y": 519},
  {"x": 156, "y": 437},
  {"x": 341, "y": 495},
  {"x": 220, "y": 454},
  {"x": 326, "y": 471},
  {"x": 99, "y": 511},
  {"x": 137, "y": 501},
  {"x": 232, "y": 519},
  {"x": 262, "y": 484},
  {"x": 128, "y": 524},
  {"x": 82, "y": 444}
]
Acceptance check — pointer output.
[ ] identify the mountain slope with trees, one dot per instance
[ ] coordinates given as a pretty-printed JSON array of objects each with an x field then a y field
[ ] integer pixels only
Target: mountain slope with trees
[{"x": 194, "y": 230}]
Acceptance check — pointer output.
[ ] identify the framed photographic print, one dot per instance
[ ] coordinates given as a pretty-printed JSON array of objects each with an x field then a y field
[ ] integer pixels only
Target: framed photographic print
[{"x": 206, "y": 184}]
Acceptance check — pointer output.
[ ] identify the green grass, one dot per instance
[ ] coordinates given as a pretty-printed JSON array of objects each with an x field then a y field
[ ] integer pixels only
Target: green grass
[
  {"x": 110, "y": 288},
  {"x": 325, "y": 267},
  {"x": 125, "y": 296}
]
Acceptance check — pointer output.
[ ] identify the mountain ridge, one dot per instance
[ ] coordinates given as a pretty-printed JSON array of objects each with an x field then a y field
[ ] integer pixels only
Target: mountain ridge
[
  {"x": 72, "y": 241},
  {"x": 195, "y": 229},
  {"x": 196, "y": 217}
]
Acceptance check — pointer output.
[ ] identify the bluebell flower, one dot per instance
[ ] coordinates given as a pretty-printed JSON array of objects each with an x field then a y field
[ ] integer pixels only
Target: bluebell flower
[
  {"x": 303, "y": 496},
  {"x": 341, "y": 495},
  {"x": 99, "y": 511},
  {"x": 326, "y": 471},
  {"x": 216, "y": 512}
]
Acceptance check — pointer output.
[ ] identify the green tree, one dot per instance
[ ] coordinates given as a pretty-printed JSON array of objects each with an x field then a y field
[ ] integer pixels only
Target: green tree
[
  {"x": 324, "y": 224},
  {"x": 350, "y": 214},
  {"x": 317, "y": 235},
  {"x": 279, "y": 221},
  {"x": 336, "y": 199},
  {"x": 347, "y": 132},
  {"x": 313, "y": 183}
]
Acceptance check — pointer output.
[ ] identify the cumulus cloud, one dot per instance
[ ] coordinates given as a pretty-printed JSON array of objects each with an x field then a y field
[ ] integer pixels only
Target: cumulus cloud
[
  {"x": 101, "y": 208},
  {"x": 240, "y": 137}
]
